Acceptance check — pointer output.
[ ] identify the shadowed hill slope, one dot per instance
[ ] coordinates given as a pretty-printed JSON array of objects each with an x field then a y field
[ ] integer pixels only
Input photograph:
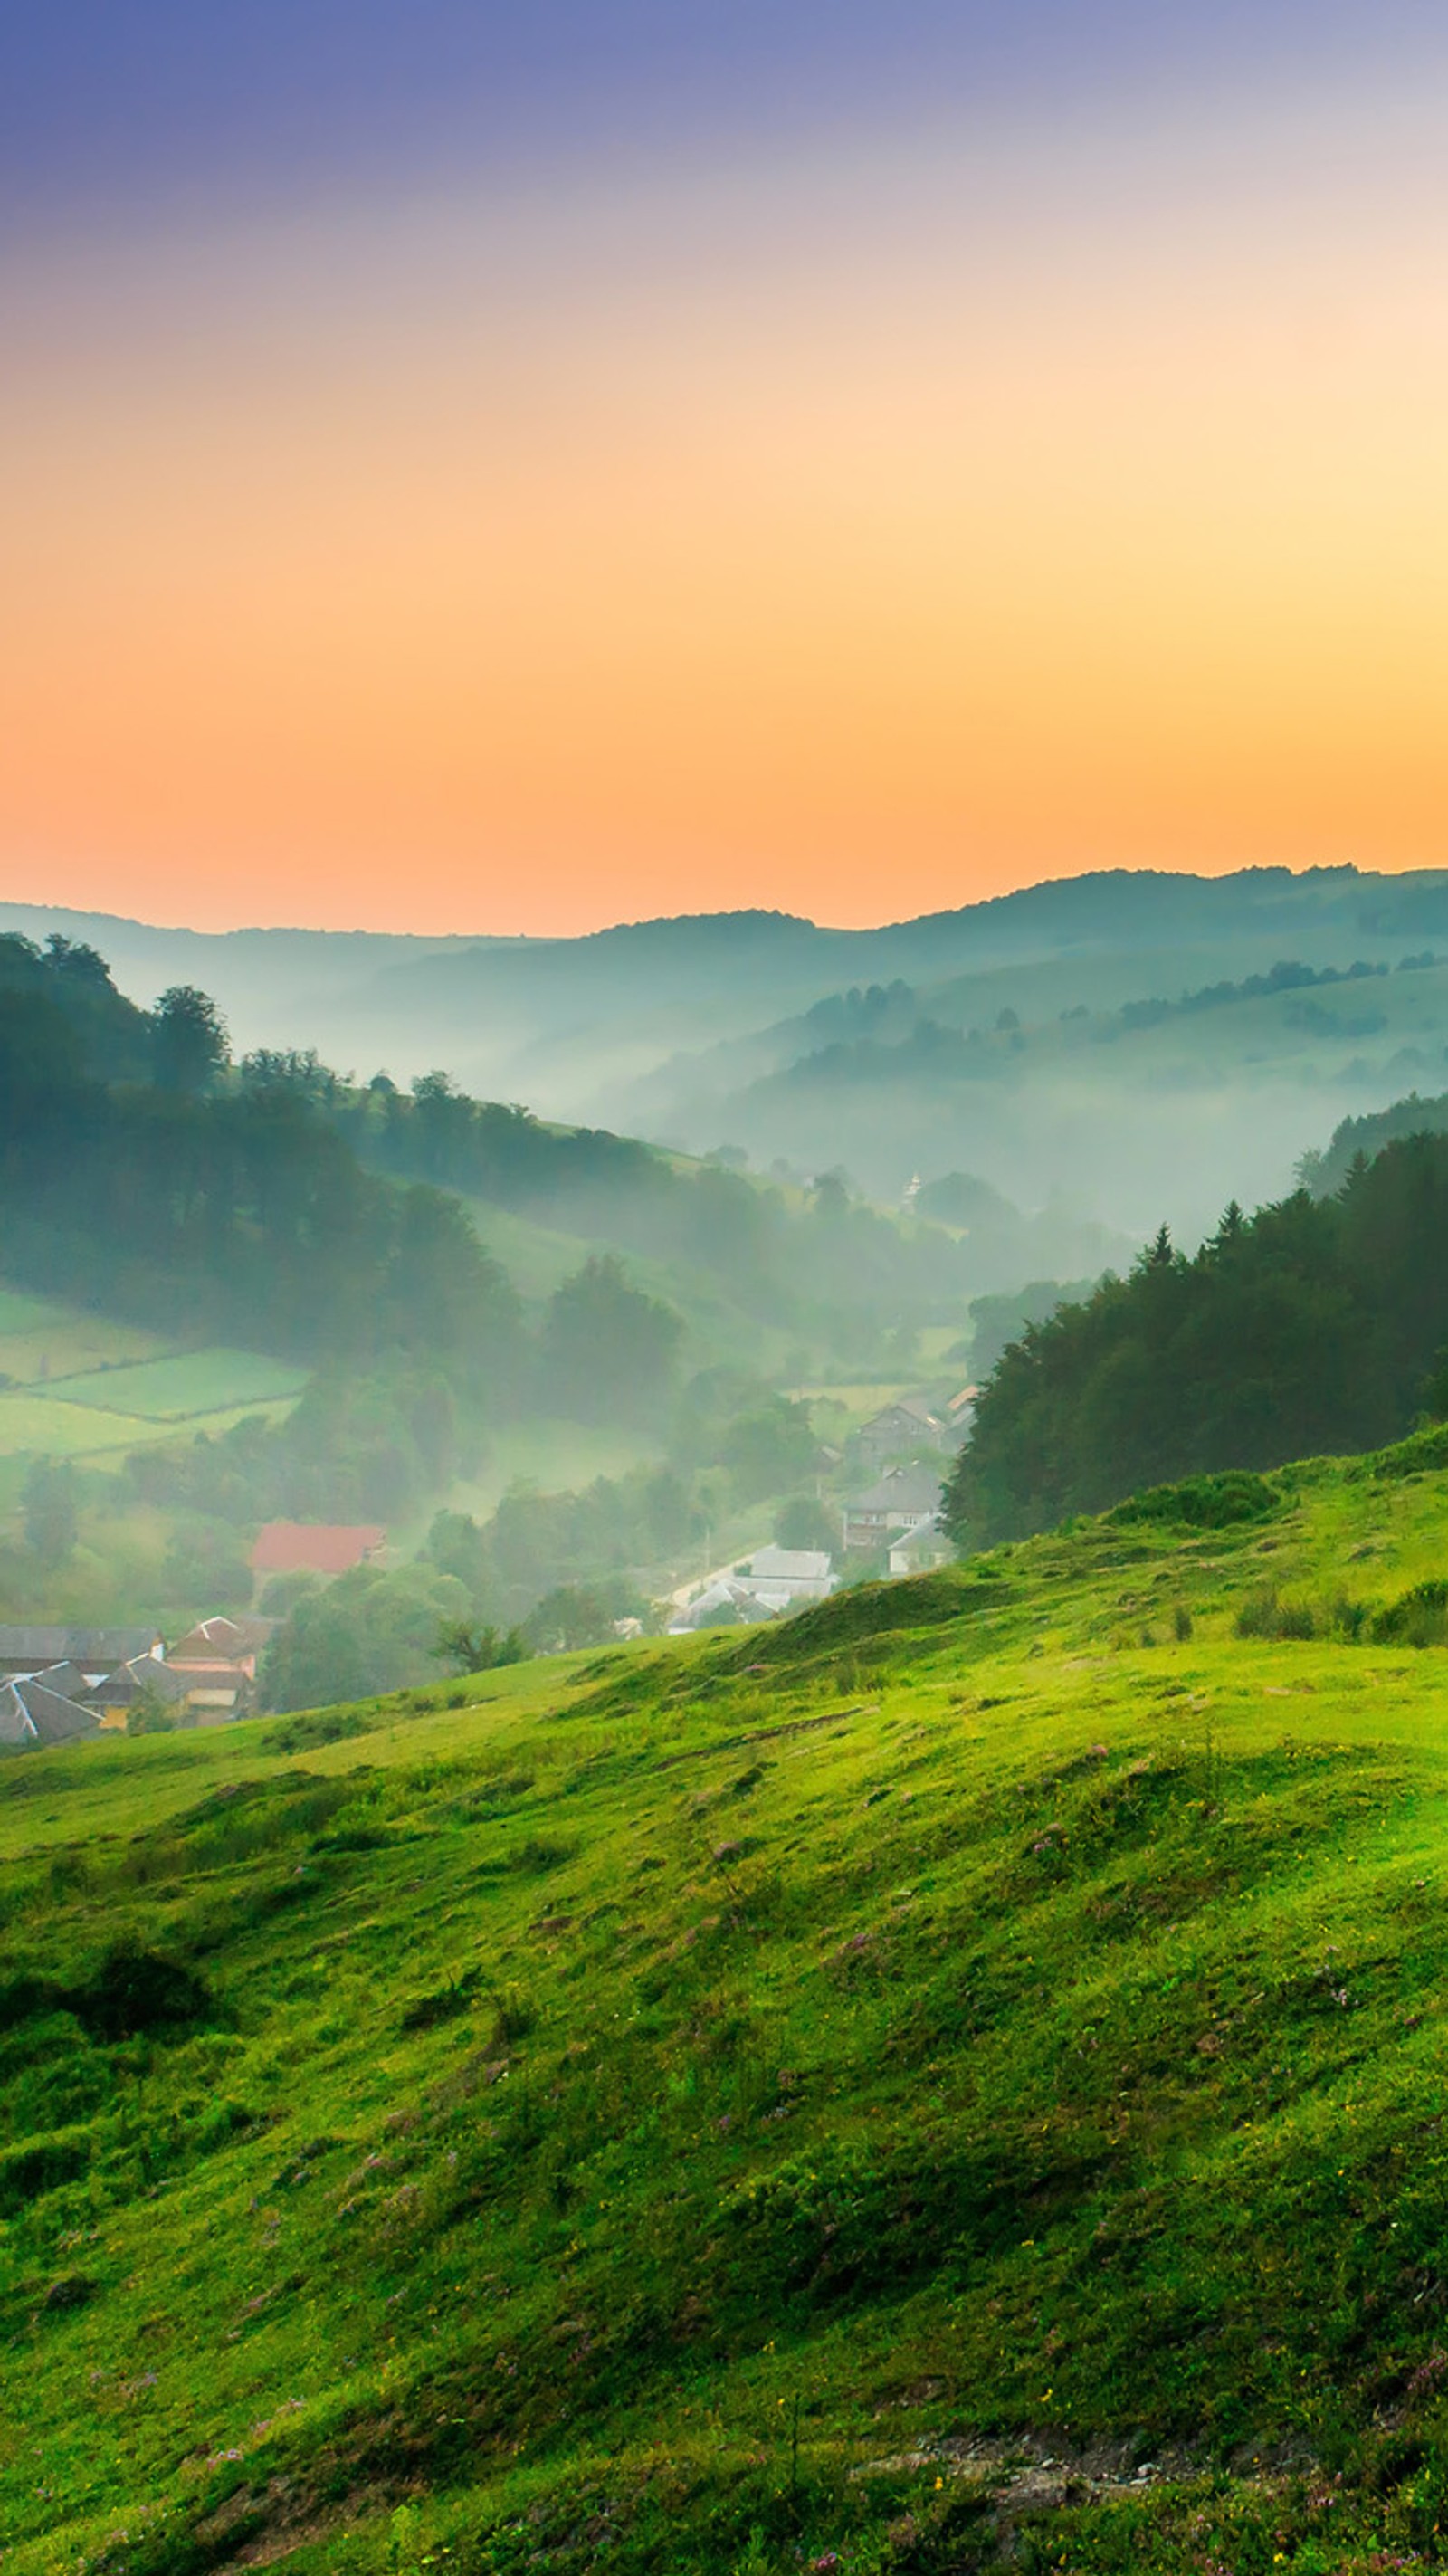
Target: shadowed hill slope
[{"x": 958, "y": 2080}]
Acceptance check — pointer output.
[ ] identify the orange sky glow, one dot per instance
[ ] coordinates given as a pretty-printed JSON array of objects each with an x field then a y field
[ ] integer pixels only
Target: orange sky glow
[{"x": 854, "y": 538}]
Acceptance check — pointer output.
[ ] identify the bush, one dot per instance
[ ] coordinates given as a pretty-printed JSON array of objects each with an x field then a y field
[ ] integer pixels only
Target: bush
[
  {"x": 804, "y": 1522},
  {"x": 316, "y": 1726},
  {"x": 1417, "y": 1618},
  {"x": 136, "y": 1989},
  {"x": 1266, "y": 1615},
  {"x": 42, "y": 2165},
  {"x": 1204, "y": 1502},
  {"x": 577, "y": 1614},
  {"x": 150, "y": 1716},
  {"x": 469, "y": 1648}
]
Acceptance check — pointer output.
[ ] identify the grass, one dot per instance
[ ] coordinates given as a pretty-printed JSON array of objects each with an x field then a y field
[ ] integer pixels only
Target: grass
[
  {"x": 956, "y": 2079},
  {"x": 61, "y": 1430},
  {"x": 554, "y": 1457},
  {"x": 539, "y": 1258},
  {"x": 49, "y": 1425},
  {"x": 84, "y": 1387},
  {"x": 42, "y": 1338},
  {"x": 81, "y": 1386},
  {"x": 187, "y": 1384}
]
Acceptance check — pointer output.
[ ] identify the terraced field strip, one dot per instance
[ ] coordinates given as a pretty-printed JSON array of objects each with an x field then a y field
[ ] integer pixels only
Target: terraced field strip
[
  {"x": 185, "y": 1384},
  {"x": 42, "y": 1340},
  {"x": 47, "y": 1426},
  {"x": 43, "y": 1423}
]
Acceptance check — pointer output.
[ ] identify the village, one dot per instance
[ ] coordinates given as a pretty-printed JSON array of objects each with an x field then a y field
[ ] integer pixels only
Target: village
[
  {"x": 892, "y": 1526},
  {"x": 59, "y": 1685},
  {"x": 62, "y": 1684}
]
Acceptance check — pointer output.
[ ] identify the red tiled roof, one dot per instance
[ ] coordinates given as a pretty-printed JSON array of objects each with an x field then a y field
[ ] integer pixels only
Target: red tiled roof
[{"x": 290, "y": 1547}]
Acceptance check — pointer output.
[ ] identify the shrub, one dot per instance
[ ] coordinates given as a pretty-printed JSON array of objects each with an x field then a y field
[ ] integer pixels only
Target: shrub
[
  {"x": 316, "y": 1726},
  {"x": 41, "y": 2166},
  {"x": 445, "y": 2003},
  {"x": 1266, "y": 1615},
  {"x": 1204, "y": 1502},
  {"x": 1416, "y": 1618},
  {"x": 136, "y": 1989}
]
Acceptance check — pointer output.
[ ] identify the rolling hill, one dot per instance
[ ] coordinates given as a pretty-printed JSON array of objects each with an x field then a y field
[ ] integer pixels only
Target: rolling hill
[{"x": 955, "y": 2082}]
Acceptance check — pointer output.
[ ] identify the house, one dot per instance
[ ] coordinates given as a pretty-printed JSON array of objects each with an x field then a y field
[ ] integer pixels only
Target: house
[
  {"x": 899, "y": 1429},
  {"x": 145, "y": 1679},
  {"x": 27, "y": 1651},
  {"x": 216, "y": 1661},
  {"x": 781, "y": 1576},
  {"x": 241, "y": 1639},
  {"x": 960, "y": 1414},
  {"x": 320, "y": 1547},
  {"x": 33, "y": 1718},
  {"x": 903, "y": 1499},
  {"x": 916, "y": 1551},
  {"x": 66, "y": 1680},
  {"x": 727, "y": 1601}
]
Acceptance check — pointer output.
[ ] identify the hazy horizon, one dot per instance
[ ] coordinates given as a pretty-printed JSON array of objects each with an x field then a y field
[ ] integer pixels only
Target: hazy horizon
[
  {"x": 593, "y": 927},
  {"x": 598, "y": 470}
]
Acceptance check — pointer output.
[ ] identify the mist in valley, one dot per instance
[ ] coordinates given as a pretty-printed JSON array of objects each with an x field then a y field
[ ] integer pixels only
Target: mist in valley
[{"x": 1039, "y": 1042}]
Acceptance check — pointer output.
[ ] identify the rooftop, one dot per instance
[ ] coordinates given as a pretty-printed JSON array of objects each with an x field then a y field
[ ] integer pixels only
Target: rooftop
[{"x": 314, "y": 1547}]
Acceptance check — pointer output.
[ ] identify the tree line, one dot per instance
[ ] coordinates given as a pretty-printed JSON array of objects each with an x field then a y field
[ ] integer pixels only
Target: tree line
[{"x": 1319, "y": 1324}]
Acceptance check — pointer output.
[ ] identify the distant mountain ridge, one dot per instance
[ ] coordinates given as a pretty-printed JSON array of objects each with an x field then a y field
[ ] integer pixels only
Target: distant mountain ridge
[
  {"x": 685, "y": 1028},
  {"x": 1104, "y": 906}
]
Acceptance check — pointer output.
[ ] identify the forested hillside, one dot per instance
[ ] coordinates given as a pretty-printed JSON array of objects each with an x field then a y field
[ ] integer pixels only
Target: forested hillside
[
  {"x": 662, "y": 1308},
  {"x": 1317, "y": 1324},
  {"x": 1104, "y": 1049},
  {"x": 129, "y": 1174}
]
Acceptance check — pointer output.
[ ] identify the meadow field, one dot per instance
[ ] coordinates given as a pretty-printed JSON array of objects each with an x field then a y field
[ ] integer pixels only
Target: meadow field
[
  {"x": 954, "y": 2080},
  {"x": 75, "y": 1385}
]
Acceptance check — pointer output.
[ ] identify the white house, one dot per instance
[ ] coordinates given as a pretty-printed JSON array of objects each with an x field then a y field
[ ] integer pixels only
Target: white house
[
  {"x": 781, "y": 1575},
  {"x": 916, "y": 1551}
]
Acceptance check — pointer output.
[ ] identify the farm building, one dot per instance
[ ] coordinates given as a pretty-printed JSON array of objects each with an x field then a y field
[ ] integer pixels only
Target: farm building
[
  {"x": 146, "y": 1679},
  {"x": 314, "y": 1547},
  {"x": 726, "y": 1601}
]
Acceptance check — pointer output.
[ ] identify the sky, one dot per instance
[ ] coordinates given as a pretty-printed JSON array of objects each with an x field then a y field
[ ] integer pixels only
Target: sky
[{"x": 466, "y": 467}]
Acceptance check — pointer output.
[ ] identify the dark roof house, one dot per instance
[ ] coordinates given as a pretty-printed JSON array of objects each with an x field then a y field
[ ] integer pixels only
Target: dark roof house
[
  {"x": 908, "y": 1424},
  {"x": 903, "y": 1499},
  {"x": 223, "y": 1636},
  {"x": 32, "y": 1718},
  {"x": 95, "y": 1650},
  {"x": 145, "y": 1677},
  {"x": 66, "y": 1680}
]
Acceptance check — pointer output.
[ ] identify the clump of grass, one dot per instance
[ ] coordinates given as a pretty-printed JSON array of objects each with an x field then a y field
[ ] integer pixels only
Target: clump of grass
[
  {"x": 1417, "y": 1618},
  {"x": 1266, "y": 1614},
  {"x": 1226, "y": 1501},
  {"x": 442, "y": 2003},
  {"x": 316, "y": 1726}
]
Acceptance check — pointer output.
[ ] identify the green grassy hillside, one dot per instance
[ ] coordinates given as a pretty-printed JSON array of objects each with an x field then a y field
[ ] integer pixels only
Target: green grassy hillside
[
  {"x": 957, "y": 2079},
  {"x": 77, "y": 1385}
]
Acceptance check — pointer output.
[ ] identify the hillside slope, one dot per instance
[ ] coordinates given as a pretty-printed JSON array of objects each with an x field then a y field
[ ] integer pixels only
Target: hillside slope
[{"x": 960, "y": 2076}]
